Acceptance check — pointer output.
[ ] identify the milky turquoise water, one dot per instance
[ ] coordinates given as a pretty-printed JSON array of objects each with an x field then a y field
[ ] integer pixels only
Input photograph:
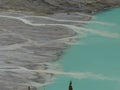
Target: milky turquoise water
[{"x": 98, "y": 55}]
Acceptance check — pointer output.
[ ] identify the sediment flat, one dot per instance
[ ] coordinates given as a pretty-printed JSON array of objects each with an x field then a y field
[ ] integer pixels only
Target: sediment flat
[{"x": 29, "y": 44}]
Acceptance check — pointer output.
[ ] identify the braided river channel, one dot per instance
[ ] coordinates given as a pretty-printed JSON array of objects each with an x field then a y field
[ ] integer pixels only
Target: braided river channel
[{"x": 48, "y": 51}]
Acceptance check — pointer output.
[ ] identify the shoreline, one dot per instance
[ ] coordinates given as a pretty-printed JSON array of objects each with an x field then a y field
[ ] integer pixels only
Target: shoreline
[
  {"x": 92, "y": 58},
  {"x": 28, "y": 50},
  {"x": 31, "y": 44},
  {"x": 33, "y": 47}
]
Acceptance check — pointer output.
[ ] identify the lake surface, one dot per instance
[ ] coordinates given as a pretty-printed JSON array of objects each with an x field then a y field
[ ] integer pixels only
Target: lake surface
[{"x": 95, "y": 64}]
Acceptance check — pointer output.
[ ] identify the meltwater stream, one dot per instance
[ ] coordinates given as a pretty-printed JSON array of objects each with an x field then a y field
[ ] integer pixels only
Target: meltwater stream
[
  {"x": 94, "y": 64},
  {"x": 30, "y": 47}
]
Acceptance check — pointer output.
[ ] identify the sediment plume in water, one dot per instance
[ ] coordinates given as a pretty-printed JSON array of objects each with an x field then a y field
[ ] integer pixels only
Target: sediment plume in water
[{"x": 29, "y": 44}]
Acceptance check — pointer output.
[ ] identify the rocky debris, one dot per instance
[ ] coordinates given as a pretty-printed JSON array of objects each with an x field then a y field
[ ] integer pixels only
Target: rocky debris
[{"x": 53, "y": 6}]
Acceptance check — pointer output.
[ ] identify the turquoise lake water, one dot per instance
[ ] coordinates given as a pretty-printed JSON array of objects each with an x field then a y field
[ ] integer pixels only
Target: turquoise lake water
[{"x": 98, "y": 55}]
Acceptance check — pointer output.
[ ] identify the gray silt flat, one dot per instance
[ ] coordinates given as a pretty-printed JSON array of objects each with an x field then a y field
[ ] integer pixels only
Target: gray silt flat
[{"x": 25, "y": 49}]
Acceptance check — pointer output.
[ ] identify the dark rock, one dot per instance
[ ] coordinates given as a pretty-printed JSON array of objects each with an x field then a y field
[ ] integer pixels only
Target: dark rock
[{"x": 53, "y": 6}]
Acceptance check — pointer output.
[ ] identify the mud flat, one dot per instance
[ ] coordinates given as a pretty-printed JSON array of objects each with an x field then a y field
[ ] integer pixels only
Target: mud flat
[{"x": 29, "y": 44}]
